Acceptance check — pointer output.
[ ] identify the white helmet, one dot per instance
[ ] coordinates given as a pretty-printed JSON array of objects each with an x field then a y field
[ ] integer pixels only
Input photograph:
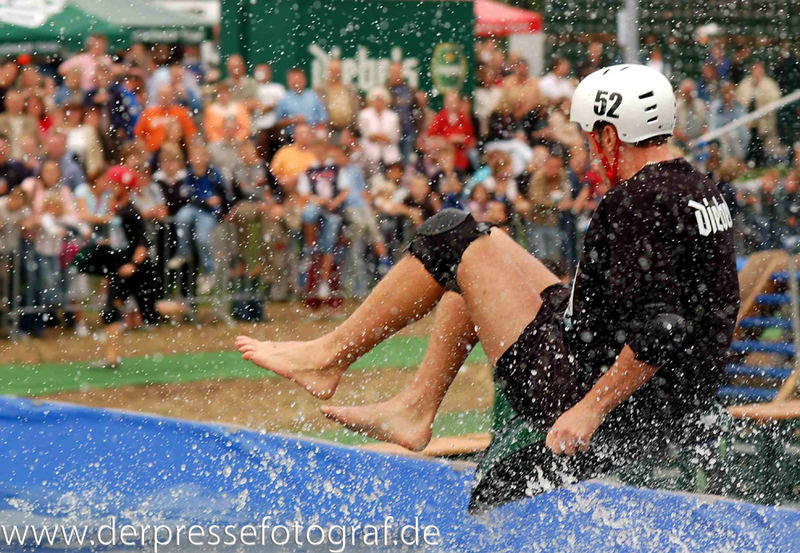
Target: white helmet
[{"x": 636, "y": 99}]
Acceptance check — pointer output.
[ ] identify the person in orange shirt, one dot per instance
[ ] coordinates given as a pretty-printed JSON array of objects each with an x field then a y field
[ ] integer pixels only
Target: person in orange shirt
[
  {"x": 293, "y": 160},
  {"x": 216, "y": 114},
  {"x": 152, "y": 124}
]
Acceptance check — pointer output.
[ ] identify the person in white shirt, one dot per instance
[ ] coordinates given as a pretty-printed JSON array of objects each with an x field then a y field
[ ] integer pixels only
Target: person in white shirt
[
  {"x": 265, "y": 117},
  {"x": 657, "y": 62},
  {"x": 555, "y": 86},
  {"x": 269, "y": 94},
  {"x": 380, "y": 130},
  {"x": 487, "y": 96}
]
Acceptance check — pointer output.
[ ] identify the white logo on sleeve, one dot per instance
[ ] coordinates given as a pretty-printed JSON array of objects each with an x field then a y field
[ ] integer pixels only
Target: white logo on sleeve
[{"x": 711, "y": 217}]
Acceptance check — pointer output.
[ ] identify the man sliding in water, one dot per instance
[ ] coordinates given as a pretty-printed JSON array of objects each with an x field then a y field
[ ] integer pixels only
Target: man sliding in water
[{"x": 623, "y": 366}]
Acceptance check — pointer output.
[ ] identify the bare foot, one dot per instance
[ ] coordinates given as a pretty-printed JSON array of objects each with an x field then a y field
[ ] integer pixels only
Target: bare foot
[
  {"x": 304, "y": 363},
  {"x": 393, "y": 421}
]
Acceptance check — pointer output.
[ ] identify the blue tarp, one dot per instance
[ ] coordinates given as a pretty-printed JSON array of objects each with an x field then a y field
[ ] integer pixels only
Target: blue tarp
[{"x": 74, "y": 465}]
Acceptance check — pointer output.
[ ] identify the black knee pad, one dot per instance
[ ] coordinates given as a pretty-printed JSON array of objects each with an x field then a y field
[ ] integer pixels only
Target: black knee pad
[{"x": 442, "y": 240}]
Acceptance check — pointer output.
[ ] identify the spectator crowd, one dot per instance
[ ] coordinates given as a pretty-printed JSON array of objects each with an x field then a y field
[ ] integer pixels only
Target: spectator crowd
[{"x": 144, "y": 167}]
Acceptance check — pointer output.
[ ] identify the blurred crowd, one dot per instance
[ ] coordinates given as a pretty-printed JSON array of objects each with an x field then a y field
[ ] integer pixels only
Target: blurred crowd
[{"x": 146, "y": 168}]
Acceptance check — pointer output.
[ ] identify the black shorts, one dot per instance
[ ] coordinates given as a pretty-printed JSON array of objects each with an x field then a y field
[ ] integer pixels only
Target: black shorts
[
  {"x": 616, "y": 445},
  {"x": 541, "y": 380},
  {"x": 142, "y": 286},
  {"x": 538, "y": 375}
]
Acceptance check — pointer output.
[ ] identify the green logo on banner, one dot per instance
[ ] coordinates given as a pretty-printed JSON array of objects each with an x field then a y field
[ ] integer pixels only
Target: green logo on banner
[{"x": 448, "y": 67}]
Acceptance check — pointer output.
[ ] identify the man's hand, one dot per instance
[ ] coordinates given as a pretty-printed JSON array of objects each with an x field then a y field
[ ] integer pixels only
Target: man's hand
[
  {"x": 380, "y": 138},
  {"x": 127, "y": 270},
  {"x": 573, "y": 430},
  {"x": 566, "y": 203}
]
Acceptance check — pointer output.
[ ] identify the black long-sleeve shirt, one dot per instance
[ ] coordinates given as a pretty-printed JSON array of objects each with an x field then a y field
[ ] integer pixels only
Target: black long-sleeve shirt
[
  {"x": 134, "y": 230},
  {"x": 659, "y": 242}
]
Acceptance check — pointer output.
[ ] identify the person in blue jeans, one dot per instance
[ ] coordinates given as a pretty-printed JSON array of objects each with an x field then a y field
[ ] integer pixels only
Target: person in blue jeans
[
  {"x": 361, "y": 220},
  {"x": 321, "y": 190},
  {"x": 195, "y": 221}
]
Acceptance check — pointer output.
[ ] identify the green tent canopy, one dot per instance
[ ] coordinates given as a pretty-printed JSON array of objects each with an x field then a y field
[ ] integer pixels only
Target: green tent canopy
[{"x": 47, "y": 26}]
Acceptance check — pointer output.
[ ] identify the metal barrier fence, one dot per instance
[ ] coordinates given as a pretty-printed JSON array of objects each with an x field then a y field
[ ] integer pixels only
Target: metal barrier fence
[
  {"x": 24, "y": 284},
  {"x": 21, "y": 292}
]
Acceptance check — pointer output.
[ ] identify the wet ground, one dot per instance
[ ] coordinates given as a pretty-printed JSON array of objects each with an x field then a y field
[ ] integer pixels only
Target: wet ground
[{"x": 267, "y": 404}]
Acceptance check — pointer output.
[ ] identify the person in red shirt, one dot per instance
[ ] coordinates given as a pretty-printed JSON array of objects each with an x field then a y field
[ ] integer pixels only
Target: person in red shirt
[
  {"x": 154, "y": 121},
  {"x": 456, "y": 128}
]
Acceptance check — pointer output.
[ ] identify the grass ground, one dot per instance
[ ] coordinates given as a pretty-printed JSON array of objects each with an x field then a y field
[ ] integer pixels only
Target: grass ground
[{"x": 191, "y": 372}]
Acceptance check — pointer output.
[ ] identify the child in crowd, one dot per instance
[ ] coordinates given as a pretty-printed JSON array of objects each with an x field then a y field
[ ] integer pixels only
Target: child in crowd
[
  {"x": 53, "y": 208},
  {"x": 479, "y": 202},
  {"x": 170, "y": 177},
  {"x": 93, "y": 205},
  {"x": 50, "y": 235},
  {"x": 322, "y": 190},
  {"x": 422, "y": 200},
  {"x": 448, "y": 181},
  {"x": 486, "y": 208},
  {"x": 391, "y": 215}
]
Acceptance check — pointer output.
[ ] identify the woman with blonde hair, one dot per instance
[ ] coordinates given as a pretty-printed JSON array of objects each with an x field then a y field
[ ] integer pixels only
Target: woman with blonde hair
[{"x": 505, "y": 122}]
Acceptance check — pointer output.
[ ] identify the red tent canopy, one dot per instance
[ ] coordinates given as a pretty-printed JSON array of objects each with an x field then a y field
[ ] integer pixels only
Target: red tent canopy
[{"x": 498, "y": 19}]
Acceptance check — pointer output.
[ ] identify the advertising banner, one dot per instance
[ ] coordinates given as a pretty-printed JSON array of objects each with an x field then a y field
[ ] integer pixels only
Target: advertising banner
[{"x": 432, "y": 39}]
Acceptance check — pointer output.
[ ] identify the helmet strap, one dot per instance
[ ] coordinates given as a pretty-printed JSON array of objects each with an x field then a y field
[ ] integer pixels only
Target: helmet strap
[{"x": 611, "y": 168}]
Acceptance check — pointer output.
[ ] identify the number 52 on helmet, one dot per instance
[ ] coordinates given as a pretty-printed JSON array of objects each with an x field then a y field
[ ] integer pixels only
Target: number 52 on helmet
[{"x": 636, "y": 99}]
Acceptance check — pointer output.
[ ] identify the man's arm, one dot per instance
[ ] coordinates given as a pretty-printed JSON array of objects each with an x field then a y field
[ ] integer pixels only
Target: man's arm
[
  {"x": 644, "y": 288},
  {"x": 573, "y": 430},
  {"x": 139, "y": 256},
  {"x": 334, "y": 204}
]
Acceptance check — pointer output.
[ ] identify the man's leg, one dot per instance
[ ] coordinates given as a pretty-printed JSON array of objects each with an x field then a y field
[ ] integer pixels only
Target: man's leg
[
  {"x": 407, "y": 293},
  {"x": 274, "y": 247},
  {"x": 356, "y": 262},
  {"x": 183, "y": 236},
  {"x": 501, "y": 284},
  {"x": 330, "y": 223},
  {"x": 112, "y": 317},
  {"x": 243, "y": 215},
  {"x": 221, "y": 236},
  {"x": 143, "y": 289},
  {"x": 204, "y": 224},
  {"x": 406, "y": 418},
  {"x": 310, "y": 217},
  {"x": 111, "y": 355}
]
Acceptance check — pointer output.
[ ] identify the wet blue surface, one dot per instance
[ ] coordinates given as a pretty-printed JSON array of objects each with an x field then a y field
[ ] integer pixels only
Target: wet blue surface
[{"x": 63, "y": 464}]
